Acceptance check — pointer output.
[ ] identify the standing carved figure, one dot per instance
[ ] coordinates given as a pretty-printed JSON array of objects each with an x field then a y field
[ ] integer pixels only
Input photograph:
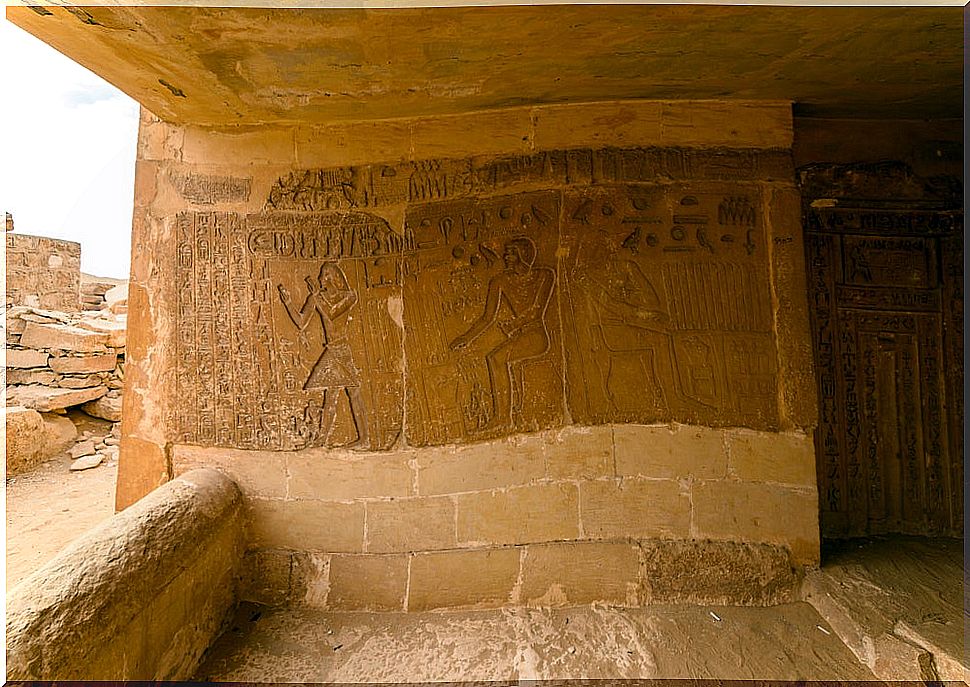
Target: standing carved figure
[
  {"x": 525, "y": 291},
  {"x": 330, "y": 297}
]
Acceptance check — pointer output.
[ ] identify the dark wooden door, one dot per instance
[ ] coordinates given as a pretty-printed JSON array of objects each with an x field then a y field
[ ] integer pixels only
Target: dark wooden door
[{"x": 886, "y": 301}]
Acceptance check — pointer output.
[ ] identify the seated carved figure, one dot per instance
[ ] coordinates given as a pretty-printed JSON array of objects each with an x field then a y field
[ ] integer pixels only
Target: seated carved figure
[{"x": 516, "y": 303}]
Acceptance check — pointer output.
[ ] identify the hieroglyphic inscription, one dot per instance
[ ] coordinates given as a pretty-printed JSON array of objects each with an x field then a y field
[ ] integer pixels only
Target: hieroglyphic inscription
[
  {"x": 665, "y": 290},
  {"x": 482, "y": 341},
  {"x": 887, "y": 377},
  {"x": 286, "y": 336},
  {"x": 369, "y": 186},
  {"x": 206, "y": 189}
]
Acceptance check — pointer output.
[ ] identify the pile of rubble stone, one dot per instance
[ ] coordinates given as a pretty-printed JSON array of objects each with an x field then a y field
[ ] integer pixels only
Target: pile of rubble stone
[
  {"x": 92, "y": 448},
  {"x": 104, "y": 295},
  {"x": 59, "y": 360}
]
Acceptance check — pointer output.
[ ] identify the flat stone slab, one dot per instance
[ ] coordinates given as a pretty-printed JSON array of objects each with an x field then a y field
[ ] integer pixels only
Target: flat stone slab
[
  {"x": 63, "y": 337},
  {"x": 19, "y": 358},
  {"x": 84, "y": 364},
  {"x": 106, "y": 407},
  {"x": 896, "y": 602},
  {"x": 87, "y": 462},
  {"x": 785, "y": 642},
  {"x": 46, "y": 399}
]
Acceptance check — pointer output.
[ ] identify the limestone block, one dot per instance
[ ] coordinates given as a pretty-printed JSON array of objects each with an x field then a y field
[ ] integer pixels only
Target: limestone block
[
  {"x": 633, "y": 507},
  {"x": 482, "y": 578},
  {"x": 787, "y": 458},
  {"x": 367, "y": 583},
  {"x": 83, "y": 364},
  {"x": 580, "y": 573},
  {"x": 46, "y": 399},
  {"x": 307, "y": 525},
  {"x": 20, "y": 358},
  {"x": 353, "y": 143},
  {"x": 494, "y": 132},
  {"x": 578, "y": 453},
  {"x": 108, "y": 407},
  {"x": 258, "y": 473},
  {"x": 419, "y": 524},
  {"x": 266, "y": 577},
  {"x": 337, "y": 476},
  {"x": 116, "y": 294},
  {"x": 671, "y": 452},
  {"x": 717, "y": 573},
  {"x": 78, "y": 382},
  {"x": 725, "y": 123},
  {"x": 252, "y": 146},
  {"x": 620, "y": 124},
  {"x": 31, "y": 376},
  {"x": 488, "y": 465},
  {"x": 521, "y": 515},
  {"x": 758, "y": 513},
  {"x": 63, "y": 337},
  {"x": 115, "y": 330}
]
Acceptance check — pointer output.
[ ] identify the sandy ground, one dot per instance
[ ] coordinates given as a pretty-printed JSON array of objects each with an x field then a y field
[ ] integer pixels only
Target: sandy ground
[{"x": 50, "y": 506}]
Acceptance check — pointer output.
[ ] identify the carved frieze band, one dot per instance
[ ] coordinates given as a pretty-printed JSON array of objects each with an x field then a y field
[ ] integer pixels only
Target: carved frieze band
[{"x": 597, "y": 302}]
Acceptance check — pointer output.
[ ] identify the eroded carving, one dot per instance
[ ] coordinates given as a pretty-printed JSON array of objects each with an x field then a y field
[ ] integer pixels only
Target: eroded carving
[
  {"x": 481, "y": 281},
  {"x": 207, "y": 189},
  {"x": 665, "y": 321}
]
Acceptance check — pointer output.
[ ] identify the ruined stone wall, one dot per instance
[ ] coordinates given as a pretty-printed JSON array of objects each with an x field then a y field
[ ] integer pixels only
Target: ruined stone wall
[
  {"x": 43, "y": 272},
  {"x": 470, "y": 348}
]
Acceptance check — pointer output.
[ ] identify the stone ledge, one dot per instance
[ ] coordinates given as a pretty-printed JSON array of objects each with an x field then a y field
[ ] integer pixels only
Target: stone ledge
[{"x": 139, "y": 597}]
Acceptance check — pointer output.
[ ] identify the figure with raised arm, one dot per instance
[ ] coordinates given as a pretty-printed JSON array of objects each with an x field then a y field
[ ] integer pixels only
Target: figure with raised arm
[
  {"x": 516, "y": 302},
  {"x": 330, "y": 297}
]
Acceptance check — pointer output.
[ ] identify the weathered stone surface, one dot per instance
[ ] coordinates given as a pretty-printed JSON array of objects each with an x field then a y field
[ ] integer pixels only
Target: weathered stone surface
[
  {"x": 488, "y": 465},
  {"x": 307, "y": 525},
  {"x": 83, "y": 364},
  {"x": 42, "y": 272},
  {"x": 760, "y": 457},
  {"x": 20, "y": 358},
  {"x": 63, "y": 337},
  {"x": 636, "y": 508},
  {"x": 716, "y": 573},
  {"x": 82, "y": 448},
  {"x": 148, "y": 609},
  {"x": 669, "y": 452},
  {"x": 46, "y": 399},
  {"x": 564, "y": 574},
  {"x": 758, "y": 513},
  {"x": 450, "y": 579},
  {"x": 32, "y": 437},
  {"x": 518, "y": 516},
  {"x": 114, "y": 330},
  {"x": 16, "y": 376},
  {"x": 419, "y": 524},
  {"x": 258, "y": 474},
  {"x": 333, "y": 476},
  {"x": 368, "y": 583},
  {"x": 108, "y": 407},
  {"x": 86, "y": 462}
]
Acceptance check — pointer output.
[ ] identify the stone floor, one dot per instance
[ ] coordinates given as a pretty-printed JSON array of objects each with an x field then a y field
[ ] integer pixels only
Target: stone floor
[
  {"x": 790, "y": 642},
  {"x": 898, "y": 602}
]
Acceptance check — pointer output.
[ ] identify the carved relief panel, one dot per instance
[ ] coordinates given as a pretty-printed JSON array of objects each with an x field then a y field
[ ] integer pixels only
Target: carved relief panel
[
  {"x": 886, "y": 305},
  {"x": 481, "y": 308},
  {"x": 286, "y": 333},
  {"x": 667, "y": 307}
]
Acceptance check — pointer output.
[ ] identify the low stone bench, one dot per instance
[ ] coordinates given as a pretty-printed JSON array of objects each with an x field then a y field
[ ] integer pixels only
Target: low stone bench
[{"x": 139, "y": 597}]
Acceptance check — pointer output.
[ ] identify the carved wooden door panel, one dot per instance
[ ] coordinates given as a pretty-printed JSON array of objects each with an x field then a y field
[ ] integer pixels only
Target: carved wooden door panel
[{"x": 886, "y": 300}]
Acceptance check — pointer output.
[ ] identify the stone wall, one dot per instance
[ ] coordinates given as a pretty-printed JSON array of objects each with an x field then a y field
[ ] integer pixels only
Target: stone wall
[
  {"x": 43, "y": 272},
  {"x": 432, "y": 347}
]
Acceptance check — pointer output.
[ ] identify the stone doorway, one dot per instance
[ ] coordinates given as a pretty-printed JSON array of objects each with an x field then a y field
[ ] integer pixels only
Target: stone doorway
[{"x": 884, "y": 253}]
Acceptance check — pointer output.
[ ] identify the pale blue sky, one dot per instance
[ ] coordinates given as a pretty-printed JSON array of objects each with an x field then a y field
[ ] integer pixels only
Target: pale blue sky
[{"x": 67, "y": 153}]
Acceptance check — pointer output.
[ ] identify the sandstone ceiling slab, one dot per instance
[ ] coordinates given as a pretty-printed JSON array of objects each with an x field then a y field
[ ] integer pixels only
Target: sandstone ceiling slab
[{"x": 217, "y": 66}]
